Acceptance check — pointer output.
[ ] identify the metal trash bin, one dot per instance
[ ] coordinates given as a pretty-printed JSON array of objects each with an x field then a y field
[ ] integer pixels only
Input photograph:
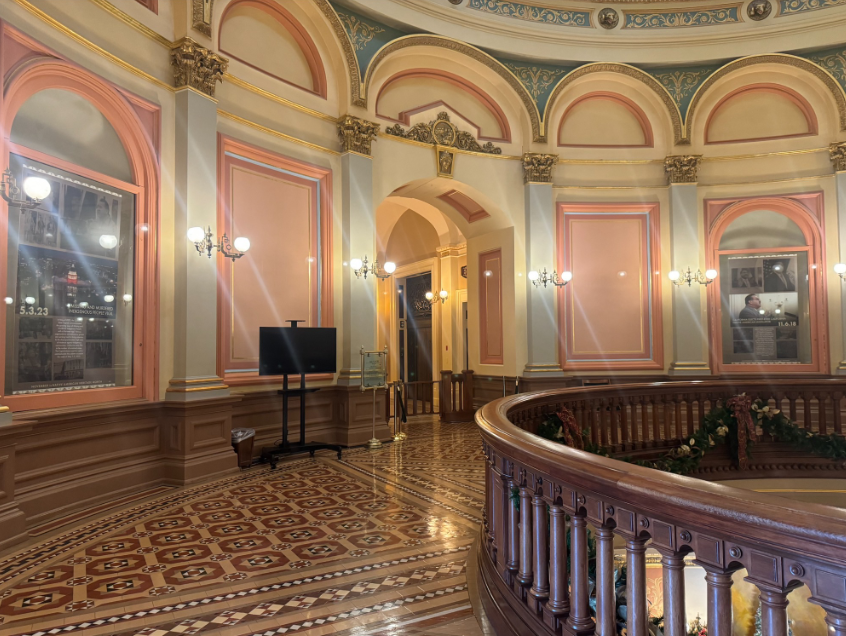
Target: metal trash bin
[{"x": 242, "y": 442}]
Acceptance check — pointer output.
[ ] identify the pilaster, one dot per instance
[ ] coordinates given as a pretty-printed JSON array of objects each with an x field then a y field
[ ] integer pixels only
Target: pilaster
[
  {"x": 690, "y": 333},
  {"x": 359, "y": 230},
  {"x": 196, "y": 71},
  {"x": 838, "y": 159}
]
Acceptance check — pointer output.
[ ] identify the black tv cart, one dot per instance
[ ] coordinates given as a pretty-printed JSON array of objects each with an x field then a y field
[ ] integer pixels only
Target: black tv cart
[{"x": 273, "y": 453}]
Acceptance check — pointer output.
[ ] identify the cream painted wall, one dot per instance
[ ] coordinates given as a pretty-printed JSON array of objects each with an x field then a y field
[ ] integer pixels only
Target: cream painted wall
[
  {"x": 412, "y": 240},
  {"x": 601, "y": 122},
  {"x": 757, "y": 115}
]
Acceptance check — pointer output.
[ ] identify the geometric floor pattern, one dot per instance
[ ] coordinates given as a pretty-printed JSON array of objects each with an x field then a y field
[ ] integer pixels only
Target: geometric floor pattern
[{"x": 376, "y": 543}]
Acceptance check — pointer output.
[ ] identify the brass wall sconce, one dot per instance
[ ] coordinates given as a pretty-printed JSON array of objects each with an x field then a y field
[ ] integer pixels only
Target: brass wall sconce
[
  {"x": 840, "y": 270},
  {"x": 688, "y": 277},
  {"x": 35, "y": 188},
  {"x": 442, "y": 295},
  {"x": 361, "y": 268},
  {"x": 204, "y": 242},
  {"x": 542, "y": 278}
]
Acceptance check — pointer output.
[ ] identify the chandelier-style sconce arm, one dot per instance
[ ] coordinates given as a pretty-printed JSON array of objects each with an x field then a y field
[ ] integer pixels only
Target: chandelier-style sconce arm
[
  {"x": 35, "y": 188},
  {"x": 442, "y": 295},
  {"x": 361, "y": 268},
  {"x": 543, "y": 278},
  {"x": 204, "y": 242},
  {"x": 688, "y": 277},
  {"x": 840, "y": 270}
]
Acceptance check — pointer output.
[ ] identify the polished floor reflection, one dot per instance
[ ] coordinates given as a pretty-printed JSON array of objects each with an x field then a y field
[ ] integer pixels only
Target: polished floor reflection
[{"x": 376, "y": 543}]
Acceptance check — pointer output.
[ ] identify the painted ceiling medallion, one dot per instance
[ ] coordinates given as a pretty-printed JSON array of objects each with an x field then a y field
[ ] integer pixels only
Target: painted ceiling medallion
[
  {"x": 608, "y": 18},
  {"x": 759, "y": 9},
  {"x": 442, "y": 132}
]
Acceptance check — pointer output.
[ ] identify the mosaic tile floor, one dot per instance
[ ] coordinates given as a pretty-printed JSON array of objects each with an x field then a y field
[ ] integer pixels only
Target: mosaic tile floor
[{"x": 376, "y": 543}]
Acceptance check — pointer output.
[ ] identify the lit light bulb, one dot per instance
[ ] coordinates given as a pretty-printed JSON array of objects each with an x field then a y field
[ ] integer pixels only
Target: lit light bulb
[
  {"x": 242, "y": 244},
  {"x": 390, "y": 267},
  {"x": 36, "y": 188},
  {"x": 30, "y": 300},
  {"x": 196, "y": 234},
  {"x": 108, "y": 241},
  {"x": 127, "y": 298},
  {"x": 567, "y": 276},
  {"x": 109, "y": 298},
  {"x": 443, "y": 294},
  {"x": 840, "y": 268},
  {"x": 429, "y": 295},
  {"x": 674, "y": 275},
  {"x": 533, "y": 275},
  {"x": 711, "y": 274},
  {"x": 9, "y": 300},
  {"x": 356, "y": 263},
  {"x": 488, "y": 272}
]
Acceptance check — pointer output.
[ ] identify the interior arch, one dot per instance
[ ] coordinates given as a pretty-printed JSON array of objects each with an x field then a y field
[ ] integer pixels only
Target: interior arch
[
  {"x": 606, "y": 120},
  {"x": 267, "y": 37}
]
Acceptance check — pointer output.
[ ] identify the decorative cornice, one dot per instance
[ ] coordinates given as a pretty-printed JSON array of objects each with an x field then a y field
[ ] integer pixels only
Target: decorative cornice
[
  {"x": 356, "y": 134},
  {"x": 442, "y": 132},
  {"x": 196, "y": 66},
  {"x": 681, "y": 83},
  {"x": 668, "y": 19},
  {"x": 837, "y": 152},
  {"x": 791, "y": 7},
  {"x": 349, "y": 54},
  {"x": 359, "y": 32},
  {"x": 833, "y": 61},
  {"x": 537, "y": 167},
  {"x": 202, "y": 16},
  {"x": 682, "y": 168},
  {"x": 532, "y": 13}
]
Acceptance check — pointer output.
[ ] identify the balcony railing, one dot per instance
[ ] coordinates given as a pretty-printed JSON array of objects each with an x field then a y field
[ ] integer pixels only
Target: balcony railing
[{"x": 535, "y": 577}]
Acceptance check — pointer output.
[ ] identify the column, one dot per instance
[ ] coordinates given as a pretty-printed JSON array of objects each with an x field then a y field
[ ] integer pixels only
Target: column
[
  {"x": 773, "y": 611},
  {"x": 636, "y": 612},
  {"x": 525, "y": 575},
  {"x": 673, "y": 578},
  {"x": 451, "y": 336},
  {"x": 541, "y": 320},
  {"x": 690, "y": 329},
  {"x": 579, "y": 621},
  {"x": 196, "y": 70},
  {"x": 838, "y": 159},
  {"x": 606, "y": 596},
  {"x": 540, "y": 585},
  {"x": 359, "y": 229},
  {"x": 719, "y": 600},
  {"x": 559, "y": 598}
]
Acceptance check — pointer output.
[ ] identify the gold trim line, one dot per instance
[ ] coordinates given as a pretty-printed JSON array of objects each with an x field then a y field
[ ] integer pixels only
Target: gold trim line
[
  {"x": 131, "y": 22},
  {"x": 195, "y": 389},
  {"x": 275, "y": 133},
  {"x": 237, "y": 81}
]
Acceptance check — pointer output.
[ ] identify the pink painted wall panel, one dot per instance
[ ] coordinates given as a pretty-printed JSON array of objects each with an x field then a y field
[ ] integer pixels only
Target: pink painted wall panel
[
  {"x": 274, "y": 283},
  {"x": 490, "y": 300},
  {"x": 607, "y": 308}
]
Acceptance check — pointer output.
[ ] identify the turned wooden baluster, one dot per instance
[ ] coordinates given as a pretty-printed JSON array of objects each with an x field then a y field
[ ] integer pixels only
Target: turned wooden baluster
[
  {"x": 606, "y": 599},
  {"x": 773, "y": 611},
  {"x": 821, "y": 413},
  {"x": 559, "y": 601},
  {"x": 806, "y": 408},
  {"x": 673, "y": 577},
  {"x": 835, "y": 618},
  {"x": 579, "y": 619},
  {"x": 624, "y": 421},
  {"x": 636, "y": 610},
  {"x": 836, "y": 399},
  {"x": 524, "y": 574},
  {"x": 540, "y": 586},
  {"x": 513, "y": 561},
  {"x": 719, "y": 600}
]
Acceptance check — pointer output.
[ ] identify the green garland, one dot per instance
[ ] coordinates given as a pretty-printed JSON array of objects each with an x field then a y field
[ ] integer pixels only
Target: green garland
[{"x": 733, "y": 422}]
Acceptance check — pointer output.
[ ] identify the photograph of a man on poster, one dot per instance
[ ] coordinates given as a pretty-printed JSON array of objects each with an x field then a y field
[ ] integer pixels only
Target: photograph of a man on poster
[
  {"x": 746, "y": 278},
  {"x": 35, "y": 328},
  {"x": 780, "y": 274},
  {"x": 39, "y": 228},
  {"x": 751, "y": 309}
]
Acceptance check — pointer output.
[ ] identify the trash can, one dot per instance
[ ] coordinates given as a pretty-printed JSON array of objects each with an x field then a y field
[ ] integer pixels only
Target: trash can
[{"x": 242, "y": 442}]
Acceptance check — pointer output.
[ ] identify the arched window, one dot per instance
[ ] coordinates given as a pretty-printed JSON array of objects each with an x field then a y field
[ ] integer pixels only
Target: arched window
[
  {"x": 767, "y": 311},
  {"x": 79, "y": 298}
]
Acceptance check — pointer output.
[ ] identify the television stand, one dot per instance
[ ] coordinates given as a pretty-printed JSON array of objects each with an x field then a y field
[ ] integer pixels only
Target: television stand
[{"x": 272, "y": 454}]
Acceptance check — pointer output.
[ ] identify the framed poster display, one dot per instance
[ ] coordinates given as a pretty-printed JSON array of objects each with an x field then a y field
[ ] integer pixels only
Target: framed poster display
[
  {"x": 70, "y": 272},
  {"x": 765, "y": 308}
]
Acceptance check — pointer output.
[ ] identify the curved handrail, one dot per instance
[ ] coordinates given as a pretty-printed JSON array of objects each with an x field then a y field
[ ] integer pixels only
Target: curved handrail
[{"x": 782, "y": 543}]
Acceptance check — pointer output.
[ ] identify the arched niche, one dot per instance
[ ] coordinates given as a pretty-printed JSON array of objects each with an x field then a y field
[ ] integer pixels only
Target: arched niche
[
  {"x": 135, "y": 138},
  {"x": 267, "y": 37},
  {"x": 413, "y": 91},
  {"x": 760, "y": 112},
  {"x": 769, "y": 251},
  {"x": 603, "y": 119},
  {"x": 65, "y": 125}
]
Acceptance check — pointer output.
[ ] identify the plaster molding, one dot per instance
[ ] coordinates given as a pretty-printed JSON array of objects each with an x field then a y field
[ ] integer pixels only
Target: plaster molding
[
  {"x": 356, "y": 134},
  {"x": 837, "y": 152},
  {"x": 537, "y": 167},
  {"x": 682, "y": 168},
  {"x": 196, "y": 67}
]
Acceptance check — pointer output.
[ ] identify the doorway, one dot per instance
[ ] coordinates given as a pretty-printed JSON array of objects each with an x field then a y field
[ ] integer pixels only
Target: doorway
[{"x": 416, "y": 337}]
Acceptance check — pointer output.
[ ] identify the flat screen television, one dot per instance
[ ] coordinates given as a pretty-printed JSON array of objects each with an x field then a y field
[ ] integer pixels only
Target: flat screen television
[{"x": 296, "y": 350}]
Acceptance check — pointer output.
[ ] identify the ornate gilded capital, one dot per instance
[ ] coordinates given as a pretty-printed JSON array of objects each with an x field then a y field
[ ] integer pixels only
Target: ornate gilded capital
[
  {"x": 837, "y": 151},
  {"x": 537, "y": 168},
  {"x": 682, "y": 168},
  {"x": 356, "y": 134},
  {"x": 196, "y": 66}
]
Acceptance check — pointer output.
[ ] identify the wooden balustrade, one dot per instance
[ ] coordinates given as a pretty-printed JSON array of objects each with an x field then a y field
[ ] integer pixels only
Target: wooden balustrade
[
  {"x": 456, "y": 396},
  {"x": 533, "y": 582}
]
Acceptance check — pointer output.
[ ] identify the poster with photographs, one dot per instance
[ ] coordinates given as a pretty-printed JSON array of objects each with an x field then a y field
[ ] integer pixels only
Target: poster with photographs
[
  {"x": 66, "y": 284},
  {"x": 763, "y": 311}
]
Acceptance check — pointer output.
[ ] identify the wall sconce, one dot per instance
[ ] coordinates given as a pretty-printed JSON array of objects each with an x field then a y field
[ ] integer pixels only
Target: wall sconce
[
  {"x": 443, "y": 295},
  {"x": 840, "y": 269},
  {"x": 127, "y": 298},
  {"x": 542, "y": 278},
  {"x": 36, "y": 188},
  {"x": 361, "y": 268},
  {"x": 680, "y": 278},
  {"x": 204, "y": 243}
]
